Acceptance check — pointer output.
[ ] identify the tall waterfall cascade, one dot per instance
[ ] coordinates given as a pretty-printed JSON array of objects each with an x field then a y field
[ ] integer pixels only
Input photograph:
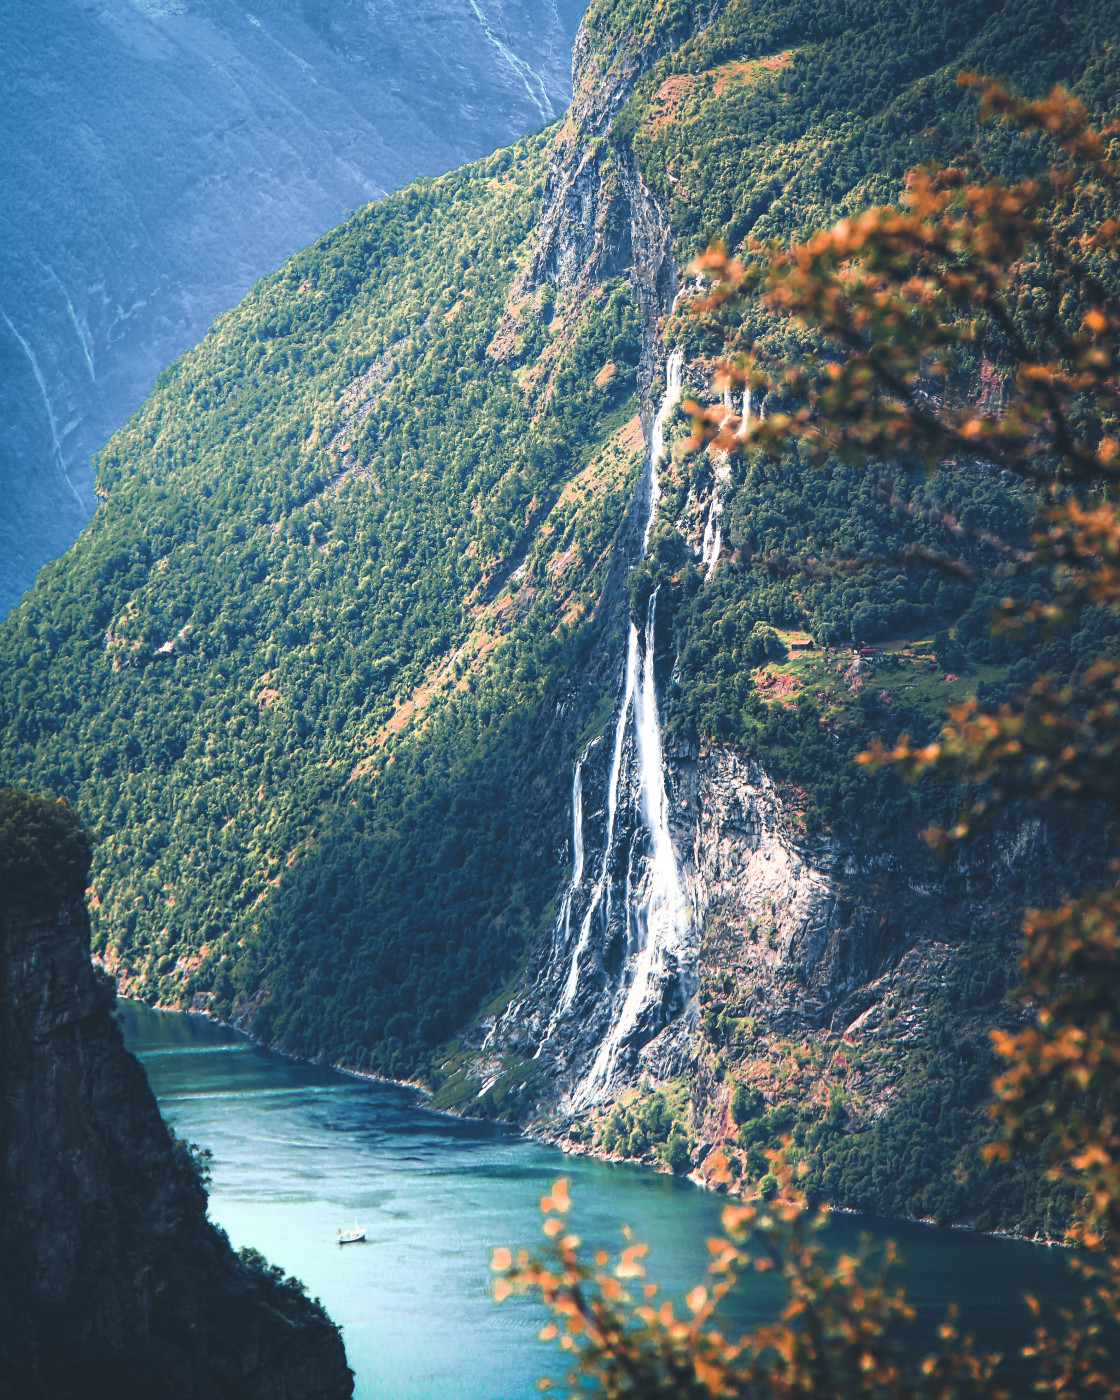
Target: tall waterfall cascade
[{"x": 627, "y": 971}]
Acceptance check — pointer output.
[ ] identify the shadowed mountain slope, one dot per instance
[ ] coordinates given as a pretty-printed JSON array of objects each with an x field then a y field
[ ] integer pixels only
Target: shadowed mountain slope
[{"x": 158, "y": 158}]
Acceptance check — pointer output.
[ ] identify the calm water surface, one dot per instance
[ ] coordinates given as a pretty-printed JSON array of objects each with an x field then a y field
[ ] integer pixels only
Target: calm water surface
[{"x": 300, "y": 1150}]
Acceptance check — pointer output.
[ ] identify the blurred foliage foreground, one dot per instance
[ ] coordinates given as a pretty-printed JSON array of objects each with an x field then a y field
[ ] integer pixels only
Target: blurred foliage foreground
[{"x": 900, "y": 299}]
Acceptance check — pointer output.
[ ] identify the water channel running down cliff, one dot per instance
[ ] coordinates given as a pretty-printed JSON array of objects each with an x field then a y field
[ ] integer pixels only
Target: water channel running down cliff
[
  {"x": 300, "y": 1150},
  {"x": 656, "y": 914}
]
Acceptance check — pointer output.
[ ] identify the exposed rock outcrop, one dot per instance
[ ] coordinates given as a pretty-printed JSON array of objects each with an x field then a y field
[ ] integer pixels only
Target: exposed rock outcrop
[
  {"x": 809, "y": 931},
  {"x": 113, "y": 1282},
  {"x": 812, "y": 932}
]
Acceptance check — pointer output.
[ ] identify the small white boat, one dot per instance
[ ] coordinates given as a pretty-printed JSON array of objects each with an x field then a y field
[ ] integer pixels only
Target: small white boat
[{"x": 352, "y": 1234}]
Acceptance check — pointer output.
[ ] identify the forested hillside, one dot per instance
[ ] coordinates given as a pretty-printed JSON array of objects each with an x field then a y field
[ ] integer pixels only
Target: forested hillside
[
  {"x": 307, "y": 532},
  {"x": 317, "y": 673},
  {"x": 773, "y": 121}
]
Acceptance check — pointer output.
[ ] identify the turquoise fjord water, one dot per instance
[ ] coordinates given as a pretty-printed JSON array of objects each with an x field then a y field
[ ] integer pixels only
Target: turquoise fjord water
[{"x": 300, "y": 1150}]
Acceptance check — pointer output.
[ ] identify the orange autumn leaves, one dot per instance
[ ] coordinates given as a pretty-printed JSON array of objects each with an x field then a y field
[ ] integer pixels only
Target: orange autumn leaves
[
  {"x": 901, "y": 301},
  {"x": 977, "y": 322},
  {"x": 831, "y": 1336},
  {"x": 1015, "y": 285}
]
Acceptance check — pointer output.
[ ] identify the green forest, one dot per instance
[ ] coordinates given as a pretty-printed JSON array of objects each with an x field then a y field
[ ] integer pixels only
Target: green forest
[
  {"x": 308, "y": 530},
  {"x": 742, "y": 130},
  {"x": 299, "y": 677}
]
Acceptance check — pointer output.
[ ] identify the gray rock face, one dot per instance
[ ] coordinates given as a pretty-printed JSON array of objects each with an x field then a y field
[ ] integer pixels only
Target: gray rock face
[
  {"x": 598, "y": 219},
  {"x": 816, "y": 931},
  {"x": 113, "y": 1281},
  {"x": 812, "y": 925}
]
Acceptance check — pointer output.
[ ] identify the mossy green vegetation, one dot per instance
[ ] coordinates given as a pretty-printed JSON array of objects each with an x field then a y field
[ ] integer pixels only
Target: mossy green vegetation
[
  {"x": 770, "y": 121},
  {"x": 298, "y": 673},
  {"x": 780, "y": 116},
  {"x": 44, "y": 849},
  {"x": 291, "y": 670},
  {"x": 910, "y": 1142},
  {"x": 651, "y": 1124},
  {"x": 890, "y": 1122}
]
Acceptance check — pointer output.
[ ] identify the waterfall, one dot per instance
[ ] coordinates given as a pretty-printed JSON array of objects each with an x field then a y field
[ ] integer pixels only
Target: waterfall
[
  {"x": 709, "y": 536},
  {"x": 519, "y": 66},
  {"x": 656, "y": 917},
  {"x": 42, "y": 383},
  {"x": 73, "y": 317},
  {"x": 711, "y": 559},
  {"x": 660, "y": 916},
  {"x": 713, "y": 530},
  {"x": 577, "y": 848},
  {"x": 673, "y": 367},
  {"x": 602, "y": 884}
]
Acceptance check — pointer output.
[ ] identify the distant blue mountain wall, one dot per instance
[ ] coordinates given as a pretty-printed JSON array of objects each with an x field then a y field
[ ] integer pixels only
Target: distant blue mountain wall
[{"x": 157, "y": 156}]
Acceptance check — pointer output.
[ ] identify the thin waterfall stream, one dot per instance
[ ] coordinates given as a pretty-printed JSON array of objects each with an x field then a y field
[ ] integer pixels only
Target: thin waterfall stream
[
  {"x": 657, "y": 914},
  {"x": 602, "y": 886},
  {"x": 660, "y": 915},
  {"x": 713, "y": 528}
]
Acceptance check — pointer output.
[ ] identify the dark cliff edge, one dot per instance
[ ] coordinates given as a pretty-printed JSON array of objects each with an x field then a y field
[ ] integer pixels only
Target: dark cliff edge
[{"x": 113, "y": 1280}]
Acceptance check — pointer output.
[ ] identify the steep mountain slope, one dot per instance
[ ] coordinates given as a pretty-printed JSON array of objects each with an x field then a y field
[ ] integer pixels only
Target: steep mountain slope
[
  {"x": 158, "y": 158},
  {"x": 114, "y": 1282},
  {"x": 433, "y": 724},
  {"x": 410, "y": 529}
]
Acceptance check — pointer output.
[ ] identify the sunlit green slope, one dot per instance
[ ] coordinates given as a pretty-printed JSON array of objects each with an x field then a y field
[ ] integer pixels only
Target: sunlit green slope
[
  {"x": 314, "y": 673},
  {"x": 302, "y": 550}
]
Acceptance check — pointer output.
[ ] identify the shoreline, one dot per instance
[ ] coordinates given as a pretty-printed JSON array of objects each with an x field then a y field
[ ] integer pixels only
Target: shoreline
[
  {"x": 368, "y": 1075},
  {"x": 578, "y": 1149},
  {"x": 565, "y": 1145}
]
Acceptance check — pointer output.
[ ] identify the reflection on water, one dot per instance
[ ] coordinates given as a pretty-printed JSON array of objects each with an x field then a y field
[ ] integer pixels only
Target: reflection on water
[{"x": 300, "y": 1150}]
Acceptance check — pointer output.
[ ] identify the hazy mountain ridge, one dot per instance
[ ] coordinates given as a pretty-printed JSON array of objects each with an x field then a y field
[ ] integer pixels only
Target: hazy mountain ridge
[{"x": 158, "y": 158}]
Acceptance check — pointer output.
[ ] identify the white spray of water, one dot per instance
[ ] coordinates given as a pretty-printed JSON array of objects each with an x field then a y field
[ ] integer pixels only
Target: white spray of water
[
  {"x": 709, "y": 536},
  {"x": 673, "y": 367},
  {"x": 602, "y": 884},
  {"x": 577, "y": 849},
  {"x": 660, "y": 918},
  {"x": 601, "y": 895},
  {"x": 711, "y": 556},
  {"x": 657, "y": 913},
  {"x": 42, "y": 383},
  {"x": 519, "y": 66},
  {"x": 713, "y": 529}
]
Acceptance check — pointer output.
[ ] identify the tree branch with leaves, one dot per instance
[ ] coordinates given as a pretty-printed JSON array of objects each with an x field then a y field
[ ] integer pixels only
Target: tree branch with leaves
[{"x": 975, "y": 322}]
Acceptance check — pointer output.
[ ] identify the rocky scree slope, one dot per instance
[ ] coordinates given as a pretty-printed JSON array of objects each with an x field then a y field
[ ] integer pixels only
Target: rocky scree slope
[{"x": 114, "y": 1282}]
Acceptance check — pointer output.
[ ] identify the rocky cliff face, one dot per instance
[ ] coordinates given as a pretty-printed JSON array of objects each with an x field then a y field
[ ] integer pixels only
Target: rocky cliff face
[
  {"x": 802, "y": 933},
  {"x": 598, "y": 219},
  {"x": 114, "y": 1283},
  {"x": 810, "y": 926}
]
